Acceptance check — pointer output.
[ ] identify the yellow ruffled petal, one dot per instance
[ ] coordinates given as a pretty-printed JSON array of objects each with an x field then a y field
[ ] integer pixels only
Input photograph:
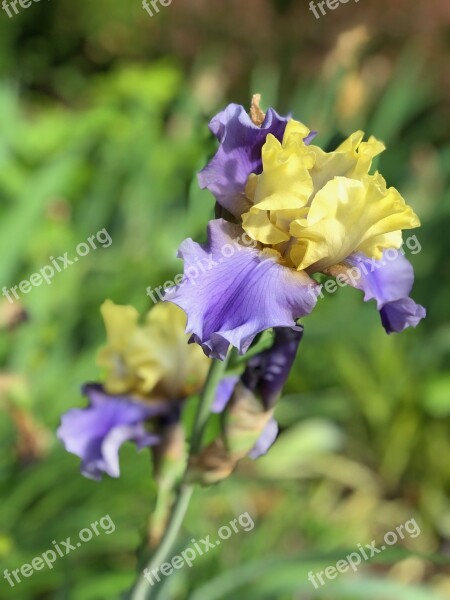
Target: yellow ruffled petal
[
  {"x": 353, "y": 159},
  {"x": 258, "y": 226},
  {"x": 284, "y": 184},
  {"x": 374, "y": 246},
  {"x": 366, "y": 152},
  {"x": 185, "y": 365},
  {"x": 150, "y": 360},
  {"x": 284, "y": 218},
  {"x": 120, "y": 322},
  {"x": 347, "y": 216},
  {"x": 285, "y": 181},
  {"x": 295, "y": 133},
  {"x": 316, "y": 208}
]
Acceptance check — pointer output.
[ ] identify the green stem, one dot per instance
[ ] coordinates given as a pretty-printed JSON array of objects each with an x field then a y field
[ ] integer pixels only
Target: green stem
[
  {"x": 142, "y": 589},
  {"x": 215, "y": 374}
]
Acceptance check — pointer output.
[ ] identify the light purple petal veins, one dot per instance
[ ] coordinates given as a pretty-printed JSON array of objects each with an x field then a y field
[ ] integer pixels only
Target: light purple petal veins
[
  {"x": 389, "y": 282},
  {"x": 268, "y": 437},
  {"x": 97, "y": 432},
  {"x": 239, "y": 154},
  {"x": 231, "y": 292}
]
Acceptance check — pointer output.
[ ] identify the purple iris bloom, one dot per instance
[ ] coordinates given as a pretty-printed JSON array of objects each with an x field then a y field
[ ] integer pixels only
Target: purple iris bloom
[
  {"x": 233, "y": 287},
  {"x": 97, "y": 432}
]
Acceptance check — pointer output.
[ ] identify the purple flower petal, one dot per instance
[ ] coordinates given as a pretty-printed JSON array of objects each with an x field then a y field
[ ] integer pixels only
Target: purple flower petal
[
  {"x": 96, "y": 433},
  {"x": 388, "y": 282},
  {"x": 400, "y": 314},
  {"x": 224, "y": 392},
  {"x": 268, "y": 437},
  {"x": 267, "y": 372},
  {"x": 238, "y": 292},
  {"x": 239, "y": 154}
]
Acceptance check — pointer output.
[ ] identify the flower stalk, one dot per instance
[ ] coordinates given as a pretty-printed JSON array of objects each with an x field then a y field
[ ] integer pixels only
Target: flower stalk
[{"x": 142, "y": 589}]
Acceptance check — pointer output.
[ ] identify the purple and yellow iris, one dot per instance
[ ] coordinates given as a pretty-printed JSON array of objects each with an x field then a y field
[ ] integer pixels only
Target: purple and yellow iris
[
  {"x": 150, "y": 371},
  {"x": 292, "y": 210}
]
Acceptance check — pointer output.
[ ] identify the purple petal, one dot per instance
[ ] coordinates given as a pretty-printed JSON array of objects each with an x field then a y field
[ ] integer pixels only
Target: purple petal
[
  {"x": 224, "y": 392},
  {"x": 309, "y": 138},
  {"x": 389, "y": 282},
  {"x": 239, "y": 154},
  {"x": 238, "y": 293},
  {"x": 268, "y": 436},
  {"x": 96, "y": 433},
  {"x": 267, "y": 372},
  {"x": 400, "y": 314}
]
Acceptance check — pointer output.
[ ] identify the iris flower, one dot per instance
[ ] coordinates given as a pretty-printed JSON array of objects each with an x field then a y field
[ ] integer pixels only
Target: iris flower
[
  {"x": 150, "y": 371},
  {"x": 291, "y": 210}
]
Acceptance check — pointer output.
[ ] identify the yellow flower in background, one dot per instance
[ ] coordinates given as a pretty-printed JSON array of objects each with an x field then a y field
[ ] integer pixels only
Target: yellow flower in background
[
  {"x": 315, "y": 208},
  {"x": 153, "y": 359}
]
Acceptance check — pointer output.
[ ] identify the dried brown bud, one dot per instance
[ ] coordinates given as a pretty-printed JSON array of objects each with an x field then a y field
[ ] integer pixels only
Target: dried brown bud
[{"x": 257, "y": 115}]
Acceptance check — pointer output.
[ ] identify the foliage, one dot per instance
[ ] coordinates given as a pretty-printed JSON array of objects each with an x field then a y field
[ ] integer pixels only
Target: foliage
[{"x": 365, "y": 417}]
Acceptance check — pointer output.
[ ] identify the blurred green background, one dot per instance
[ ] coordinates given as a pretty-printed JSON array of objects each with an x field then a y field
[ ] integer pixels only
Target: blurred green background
[{"x": 103, "y": 124}]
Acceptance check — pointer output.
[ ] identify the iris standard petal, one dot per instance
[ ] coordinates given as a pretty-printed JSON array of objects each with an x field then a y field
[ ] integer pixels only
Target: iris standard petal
[
  {"x": 349, "y": 216},
  {"x": 152, "y": 358},
  {"x": 239, "y": 154},
  {"x": 238, "y": 291}
]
